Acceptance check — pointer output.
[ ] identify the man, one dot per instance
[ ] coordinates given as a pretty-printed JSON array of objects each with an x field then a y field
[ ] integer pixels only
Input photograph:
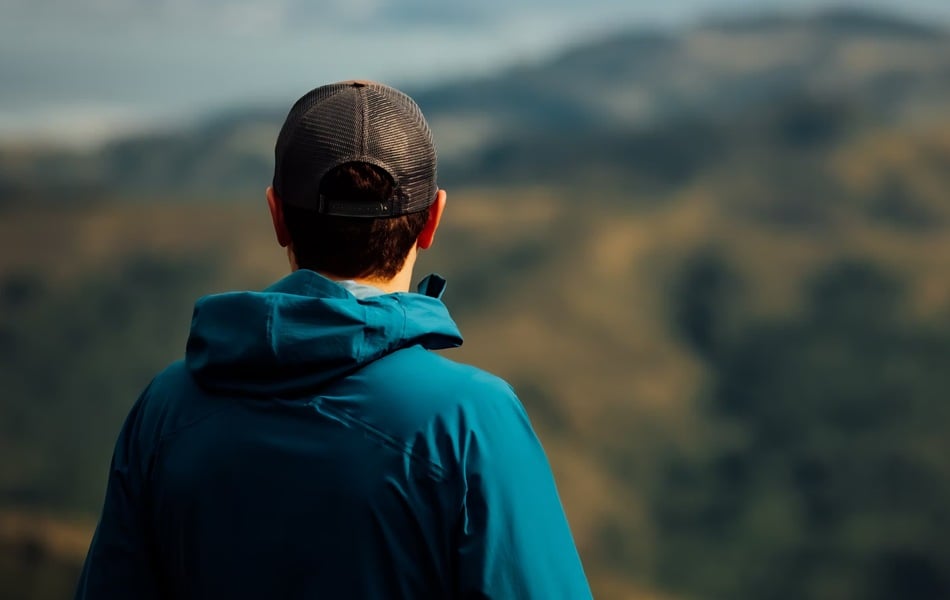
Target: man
[{"x": 311, "y": 445}]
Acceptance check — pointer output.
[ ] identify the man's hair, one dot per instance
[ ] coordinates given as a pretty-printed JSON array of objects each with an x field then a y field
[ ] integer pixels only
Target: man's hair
[{"x": 374, "y": 248}]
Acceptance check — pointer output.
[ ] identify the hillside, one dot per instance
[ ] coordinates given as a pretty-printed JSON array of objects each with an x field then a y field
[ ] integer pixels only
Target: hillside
[
  {"x": 641, "y": 101},
  {"x": 713, "y": 266}
]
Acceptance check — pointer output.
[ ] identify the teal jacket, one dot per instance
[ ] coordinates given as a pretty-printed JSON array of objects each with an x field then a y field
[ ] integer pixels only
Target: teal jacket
[{"x": 311, "y": 446}]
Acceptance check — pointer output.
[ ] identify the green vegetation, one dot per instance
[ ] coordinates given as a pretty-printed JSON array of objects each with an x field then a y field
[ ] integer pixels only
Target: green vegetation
[
  {"x": 826, "y": 471},
  {"x": 73, "y": 360}
]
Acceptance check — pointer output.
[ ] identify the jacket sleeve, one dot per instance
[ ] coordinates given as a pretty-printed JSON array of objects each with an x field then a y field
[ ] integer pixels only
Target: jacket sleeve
[
  {"x": 119, "y": 563},
  {"x": 514, "y": 539}
]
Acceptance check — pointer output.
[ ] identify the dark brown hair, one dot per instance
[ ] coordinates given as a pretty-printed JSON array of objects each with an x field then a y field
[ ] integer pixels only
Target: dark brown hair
[{"x": 374, "y": 248}]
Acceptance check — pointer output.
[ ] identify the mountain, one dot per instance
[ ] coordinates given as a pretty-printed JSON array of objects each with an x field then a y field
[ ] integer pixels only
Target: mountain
[
  {"x": 883, "y": 69},
  {"x": 600, "y": 106}
]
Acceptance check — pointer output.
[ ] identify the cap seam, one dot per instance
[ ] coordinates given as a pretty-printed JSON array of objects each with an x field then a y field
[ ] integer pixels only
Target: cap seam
[{"x": 364, "y": 124}]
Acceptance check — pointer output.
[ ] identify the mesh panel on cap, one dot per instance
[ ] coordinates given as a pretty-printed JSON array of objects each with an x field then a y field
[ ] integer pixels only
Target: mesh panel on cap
[{"x": 356, "y": 122}]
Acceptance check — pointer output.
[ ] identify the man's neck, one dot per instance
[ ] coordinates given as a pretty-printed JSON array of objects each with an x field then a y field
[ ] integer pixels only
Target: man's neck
[
  {"x": 401, "y": 282},
  {"x": 383, "y": 285}
]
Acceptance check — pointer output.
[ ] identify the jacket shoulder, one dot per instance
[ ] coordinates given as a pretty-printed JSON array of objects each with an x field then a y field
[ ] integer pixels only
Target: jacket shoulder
[
  {"x": 173, "y": 401},
  {"x": 430, "y": 381},
  {"x": 427, "y": 404}
]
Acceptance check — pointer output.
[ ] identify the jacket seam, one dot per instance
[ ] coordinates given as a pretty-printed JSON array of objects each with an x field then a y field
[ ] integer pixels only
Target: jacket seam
[
  {"x": 405, "y": 319},
  {"x": 433, "y": 470},
  {"x": 169, "y": 435}
]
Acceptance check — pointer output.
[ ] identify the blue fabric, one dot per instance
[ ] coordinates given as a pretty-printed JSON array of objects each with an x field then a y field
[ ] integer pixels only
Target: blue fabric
[{"x": 312, "y": 446}]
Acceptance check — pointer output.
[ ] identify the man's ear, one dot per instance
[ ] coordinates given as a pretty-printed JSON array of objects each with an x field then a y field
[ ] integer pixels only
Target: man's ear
[
  {"x": 277, "y": 216},
  {"x": 427, "y": 236}
]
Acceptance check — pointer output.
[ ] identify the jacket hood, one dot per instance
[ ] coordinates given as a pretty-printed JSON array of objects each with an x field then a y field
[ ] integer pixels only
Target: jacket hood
[{"x": 305, "y": 331}]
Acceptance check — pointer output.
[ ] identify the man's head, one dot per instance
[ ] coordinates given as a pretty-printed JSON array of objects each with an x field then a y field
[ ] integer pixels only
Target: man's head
[{"x": 354, "y": 191}]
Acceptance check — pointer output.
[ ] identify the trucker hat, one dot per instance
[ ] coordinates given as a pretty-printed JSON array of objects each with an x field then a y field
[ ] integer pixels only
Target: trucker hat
[{"x": 355, "y": 121}]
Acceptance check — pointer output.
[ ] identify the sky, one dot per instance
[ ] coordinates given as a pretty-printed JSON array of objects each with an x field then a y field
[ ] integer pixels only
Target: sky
[{"x": 79, "y": 72}]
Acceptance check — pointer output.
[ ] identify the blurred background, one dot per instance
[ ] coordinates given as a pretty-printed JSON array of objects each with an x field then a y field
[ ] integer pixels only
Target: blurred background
[{"x": 706, "y": 240}]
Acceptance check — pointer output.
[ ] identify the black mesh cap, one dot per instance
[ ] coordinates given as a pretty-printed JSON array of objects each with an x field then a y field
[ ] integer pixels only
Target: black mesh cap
[{"x": 355, "y": 121}]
